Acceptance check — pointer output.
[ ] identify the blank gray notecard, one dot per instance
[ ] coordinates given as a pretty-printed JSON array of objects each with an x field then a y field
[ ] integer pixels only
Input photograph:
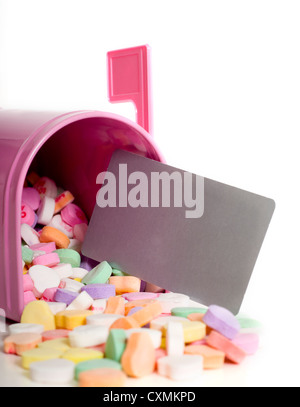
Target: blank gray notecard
[{"x": 210, "y": 258}]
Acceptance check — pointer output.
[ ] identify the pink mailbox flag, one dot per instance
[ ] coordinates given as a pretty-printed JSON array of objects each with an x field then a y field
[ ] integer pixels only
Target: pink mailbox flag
[{"x": 129, "y": 81}]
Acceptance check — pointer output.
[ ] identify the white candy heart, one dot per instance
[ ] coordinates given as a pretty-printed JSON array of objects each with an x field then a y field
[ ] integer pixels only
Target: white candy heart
[
  {"x": 56, "y": 307},
  {"x": 174, "y": 339},
  {"x": 46, "y": 210},
  {"x": 72, "y": 285},
  {"x": 75, "y": 245},
  {"x": 58, "y": 223},
  {"x": 64, "y": 270},
  {"x": 184, "y": 367},
  {"x": 172, "y": 300},
  {"x": 88, "y": 335},
  {"x": 82, "y": 302},
  {"x": 53, "y": 371},
  {"x": 43, "y": 277},
  {"x": 102, "y": 319},
  {"x": 78, "y": 272},
  {"x": 25, "y": 328},
  {"x": 160, "y": 322},
  {"x": 99, "y": 305},
  {"x": 29, "y": 235}
]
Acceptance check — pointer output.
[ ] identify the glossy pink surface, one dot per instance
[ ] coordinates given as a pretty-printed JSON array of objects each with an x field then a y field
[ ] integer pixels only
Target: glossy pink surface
[{"x": 71, "y": 148}]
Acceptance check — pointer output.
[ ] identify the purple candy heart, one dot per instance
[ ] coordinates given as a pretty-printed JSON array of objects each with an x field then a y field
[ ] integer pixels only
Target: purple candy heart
[
  {"x": 222, "y": 320},
  {"x": 98, "y": 291},
  {"x": 65, "y": 296},
  {"x": 87, "y": 263}
]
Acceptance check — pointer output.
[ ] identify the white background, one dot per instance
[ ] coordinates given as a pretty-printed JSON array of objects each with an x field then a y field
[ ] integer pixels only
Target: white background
[{"x": 226, "y": 88}]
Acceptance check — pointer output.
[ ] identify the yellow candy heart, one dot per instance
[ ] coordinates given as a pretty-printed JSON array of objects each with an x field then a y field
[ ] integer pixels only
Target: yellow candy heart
[
  {"x": 38, "y": 312},
  {"x": 77, "y": 355},
  {"x": 39, "y": 354}
]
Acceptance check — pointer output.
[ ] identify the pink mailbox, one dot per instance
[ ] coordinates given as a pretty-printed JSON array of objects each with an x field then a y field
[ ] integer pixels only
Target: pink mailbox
[{"x": 72, "y": 148}]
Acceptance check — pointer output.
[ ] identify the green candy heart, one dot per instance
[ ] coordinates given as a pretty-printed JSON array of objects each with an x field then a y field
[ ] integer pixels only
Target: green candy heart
[
  {"x": 69, "y": 256},
  {"x": 27, "y": 255},
  {"x": 116, "y": 272},
  {"x": 99, "y": 275},
  {"x": 95, "y": 364},
  {"x": 186, "y": 311},
  {"x": 246, "y": 322},
  {"x": 115, "y": 344}
]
